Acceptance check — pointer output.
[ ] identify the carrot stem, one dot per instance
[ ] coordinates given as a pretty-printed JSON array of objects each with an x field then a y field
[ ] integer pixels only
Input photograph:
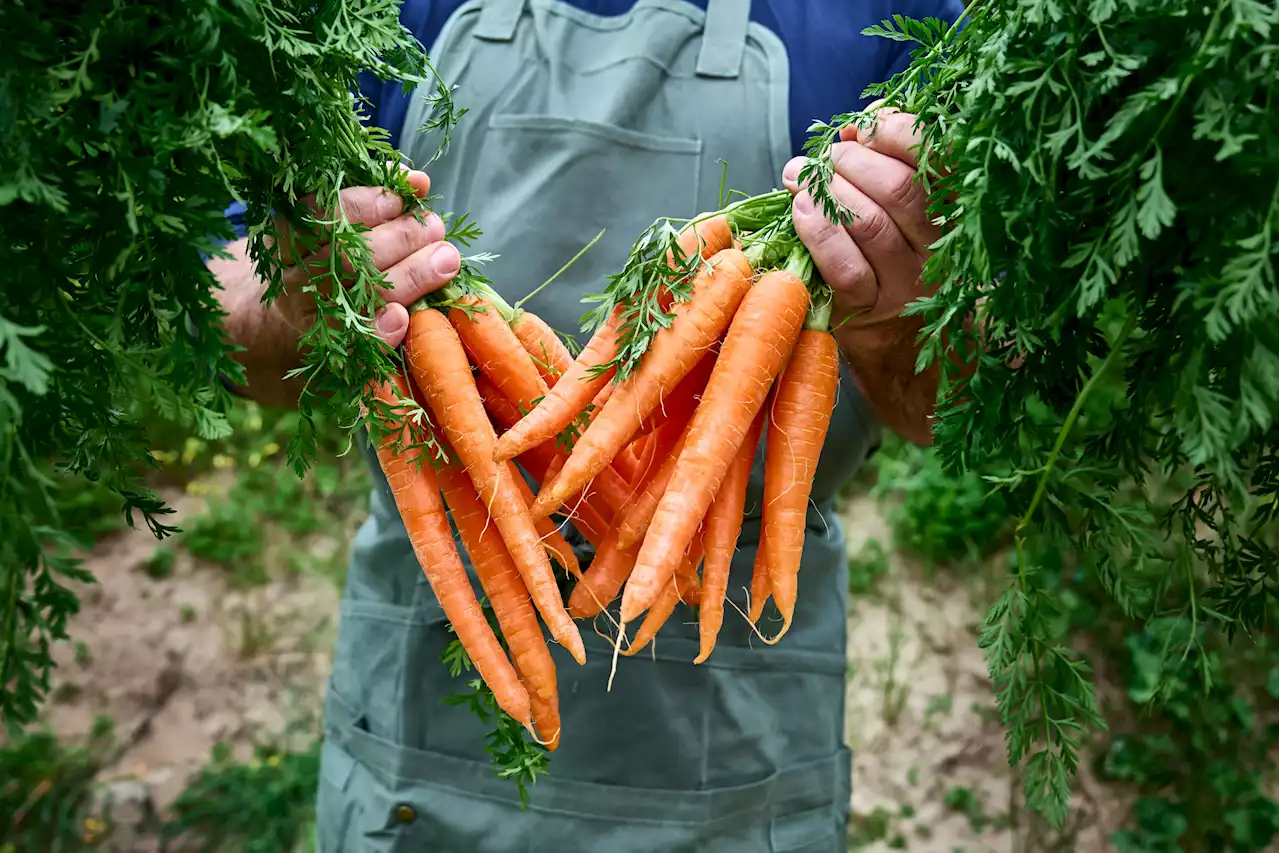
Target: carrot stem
[{"x": 557, "y": 273}]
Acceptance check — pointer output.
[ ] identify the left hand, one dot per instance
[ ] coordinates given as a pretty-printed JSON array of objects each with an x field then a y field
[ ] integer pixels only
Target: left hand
[{"x": 873, "y": 265}]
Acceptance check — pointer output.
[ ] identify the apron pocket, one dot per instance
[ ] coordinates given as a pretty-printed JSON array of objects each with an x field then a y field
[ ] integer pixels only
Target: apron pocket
[
  {"x": 548, "y": 182},
  {"x": 455, "y": 804},
  {"x": 337, "y": 812},
  {"x": 812, "y": 831}
]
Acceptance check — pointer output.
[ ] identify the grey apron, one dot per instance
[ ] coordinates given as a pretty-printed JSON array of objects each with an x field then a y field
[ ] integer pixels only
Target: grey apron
[{"x": 578, "y": 122}]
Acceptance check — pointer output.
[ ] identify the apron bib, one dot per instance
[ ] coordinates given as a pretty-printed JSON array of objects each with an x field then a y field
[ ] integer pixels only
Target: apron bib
[{"x": 577, "y": 122}]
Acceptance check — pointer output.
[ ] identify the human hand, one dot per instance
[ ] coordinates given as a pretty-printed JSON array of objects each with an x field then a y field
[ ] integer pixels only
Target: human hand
[
  {"x": 412, "y": 255},
  {"x": 873, "y": 265}
]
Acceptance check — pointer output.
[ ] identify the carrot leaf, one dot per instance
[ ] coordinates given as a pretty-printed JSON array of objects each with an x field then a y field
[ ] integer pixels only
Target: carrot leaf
[{"x": 1101, "y": 306}]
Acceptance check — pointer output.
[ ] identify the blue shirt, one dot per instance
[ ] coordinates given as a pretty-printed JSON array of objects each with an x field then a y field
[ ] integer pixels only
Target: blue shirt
[{"x": 831, "y": 62}]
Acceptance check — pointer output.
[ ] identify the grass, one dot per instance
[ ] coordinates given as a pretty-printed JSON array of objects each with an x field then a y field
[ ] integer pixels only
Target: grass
[
  {"x": 262, "y": 805},
  {"x": 46, "y": 792}
]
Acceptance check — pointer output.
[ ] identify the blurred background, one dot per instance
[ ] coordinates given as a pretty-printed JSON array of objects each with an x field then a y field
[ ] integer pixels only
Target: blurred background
[{"x": 186, "y": 709}]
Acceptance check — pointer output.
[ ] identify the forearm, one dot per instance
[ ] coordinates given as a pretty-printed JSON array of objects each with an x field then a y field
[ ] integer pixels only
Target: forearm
[
  {"x": 268, "y": 338},
  {"x": 883, "y": 360}
]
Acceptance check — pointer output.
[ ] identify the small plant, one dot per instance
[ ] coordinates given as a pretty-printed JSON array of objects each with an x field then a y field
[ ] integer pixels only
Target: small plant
[
  {"x": 941, "y": 518},
  {"x": 940, "y": 704},
  {"x": 187, "y": 613},
  {"x": 867, "y": 567},
  {"x": 965, "y": 800},
  {"x": 256, "y": 635},
  {"x": 160, "y": 564},
  {"x": 264, "y": 805},
  {"x": 84, "y": 657},
  {"x": 46, "y": 792}
]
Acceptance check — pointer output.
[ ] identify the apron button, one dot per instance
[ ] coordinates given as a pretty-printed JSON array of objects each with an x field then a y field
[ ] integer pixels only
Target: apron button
[{"x": 405, "y": 814}]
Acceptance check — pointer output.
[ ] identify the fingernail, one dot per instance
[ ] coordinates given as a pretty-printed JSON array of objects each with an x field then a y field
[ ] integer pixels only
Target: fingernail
[
  {"x": 389, "y": 323},
  {"x": 791, "y": 171},
  {"x": 446, "y": 260},
  {"x": 803, "y": 205}
]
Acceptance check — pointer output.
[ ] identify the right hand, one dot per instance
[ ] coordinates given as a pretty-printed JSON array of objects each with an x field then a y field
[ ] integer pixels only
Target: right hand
[{"x": 412, "y": 255}]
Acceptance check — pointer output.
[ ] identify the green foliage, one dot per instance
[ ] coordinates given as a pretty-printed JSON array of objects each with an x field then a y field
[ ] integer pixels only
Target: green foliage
[
  {"x": 46, "y": 792},
  {"x": 265, "y": 805},
  {"x": 515, "y": 755},
  {"x": 940, "y": 517},
  {"x": 867, "y": 568},
  {"x": 1103, "y": 306},
  {"x": 160, "y": 564},
  {"x": 1201, "y": 748},
  {"x": 125, "y": 128}
]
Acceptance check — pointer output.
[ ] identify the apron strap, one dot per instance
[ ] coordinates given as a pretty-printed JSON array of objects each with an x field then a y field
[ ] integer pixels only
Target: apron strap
[
  {"x": 498, "y": 19},
  {"x": 724, "y": 38}
]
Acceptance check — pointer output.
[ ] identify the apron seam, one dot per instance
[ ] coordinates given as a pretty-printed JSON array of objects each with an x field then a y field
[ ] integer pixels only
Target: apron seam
[{"x": 611, "y": 23}]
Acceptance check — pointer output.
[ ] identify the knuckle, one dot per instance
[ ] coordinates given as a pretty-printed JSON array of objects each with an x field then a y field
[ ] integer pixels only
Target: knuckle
[
  {"x": 846, "y": 275},
  {"x": 842, "y": 154},
  {"x": 904, "y": 193},
  {"x": 401, "y": 243},
  {"x": 871, "y": 225},
  {"x": 357, "y": 203}
]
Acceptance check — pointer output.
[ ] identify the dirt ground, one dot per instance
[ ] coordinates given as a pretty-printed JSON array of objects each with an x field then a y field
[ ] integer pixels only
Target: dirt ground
[{"x": 183, "y": 662}]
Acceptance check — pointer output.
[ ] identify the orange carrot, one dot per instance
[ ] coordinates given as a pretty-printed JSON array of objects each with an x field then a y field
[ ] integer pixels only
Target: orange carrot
[
  {"x": 440, "y": 368},
  {"x": 754, "y": 351},
  {"x": 546, "y": 718},
  {"x": 683, "y": 399},
  {"x": 676, "y": 589},
  {"x": 628, "y": 459},
  {"x": 544, "y": 346},
  {"x": 760, "y": 579},
  {"x": 543, "y": 460},
  {"x": 603, "y": 579},
  {"x": 417, "y": 497},
  {"x": 635, "y": 521},
  {"x": 720, "y": 538},
  {"x": 798, "y": 422},
  {"x": 495, "y": 349},
  {"x": 581, "y": 382},
  {"x": 597, "y": 402},
  {"x": 501, "y": 582},
  {"x": 568, "y": 397},
  {"x": 673, "y": 352},
  {"x": 552, "y": 539}
]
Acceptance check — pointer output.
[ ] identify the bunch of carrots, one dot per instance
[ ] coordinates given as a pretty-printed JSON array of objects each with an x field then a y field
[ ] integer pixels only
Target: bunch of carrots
[{"x": 712, "y": 338}]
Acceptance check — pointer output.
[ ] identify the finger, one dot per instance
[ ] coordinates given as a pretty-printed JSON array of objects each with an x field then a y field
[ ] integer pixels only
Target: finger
[
  {"x": 892, "y": 185},
  {"x": 791, "y": 173},
  {"x": 389, "y": 243},
  {"x": 392, "y": 322},
  {"x": 893, "y": 133},
  {"x": 420, "y": 182},
  {"x": 425, "y": 271},
  {"x": 835, "y": 254},
  {"x": 369, "y": 206},
  {"x": 893, "y": 262}
]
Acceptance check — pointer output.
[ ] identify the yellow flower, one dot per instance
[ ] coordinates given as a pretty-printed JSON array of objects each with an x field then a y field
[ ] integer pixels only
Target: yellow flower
[
  {"x": 222, "y": 460},
  {"x": 273, "y": 761}
]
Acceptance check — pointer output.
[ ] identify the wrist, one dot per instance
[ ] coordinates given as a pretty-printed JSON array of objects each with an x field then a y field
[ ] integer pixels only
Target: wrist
[
  {"x": 882, "y": 358},
  {"x": 266, "y": 335}
]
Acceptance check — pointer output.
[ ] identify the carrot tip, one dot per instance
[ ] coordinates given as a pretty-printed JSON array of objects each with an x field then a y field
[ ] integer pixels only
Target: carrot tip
[
  {"x": 786, "y": 626},
  {"x": 575, "y": 647}
]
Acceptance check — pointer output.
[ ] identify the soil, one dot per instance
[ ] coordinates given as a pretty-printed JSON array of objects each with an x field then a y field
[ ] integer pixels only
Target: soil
[{"x": 185, "y": 661}]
